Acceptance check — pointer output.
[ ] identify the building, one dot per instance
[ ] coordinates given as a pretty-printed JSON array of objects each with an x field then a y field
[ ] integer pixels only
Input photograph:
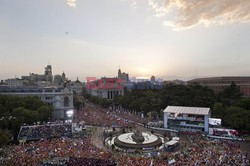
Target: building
[
  {"x": 76, "y": 86},
  {"x": 14, "y": 82},
  {"x": 187, "y": 118},
  {"x": 218, "y": 84},
  {"x": 2, "y": 83},
  {"x": 58, "y": 80},
  {"x": 60, "y": 98},
  {"x": 64, "y": 78},
  {"x": 102, "y": 91},
  {"x": 174, "y": 82},
  {"x": 123, "y": 76},
  {"x": 106, "y": 93},
  {"x": 33, "y": 78},
  {"x": 152, "y": 79},
  {"x": 102, "y": 86}
]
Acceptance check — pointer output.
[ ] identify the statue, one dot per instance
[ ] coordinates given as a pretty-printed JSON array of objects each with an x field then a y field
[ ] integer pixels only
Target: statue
[{"x": 138, "y": 137}]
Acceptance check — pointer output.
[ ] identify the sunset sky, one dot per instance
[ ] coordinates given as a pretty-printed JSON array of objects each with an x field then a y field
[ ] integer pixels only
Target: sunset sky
[{"x": 92, "y": 38}]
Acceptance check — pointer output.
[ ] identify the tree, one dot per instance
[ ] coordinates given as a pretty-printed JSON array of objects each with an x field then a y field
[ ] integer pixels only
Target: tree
[
  {"x": 236, "y": 117},
  {"x": 78, "y": 103},
  {"x": 218, "y": 110},
  {"x": 145, "y": 107},
  {"x": 230, "y": 95},
  {"x": 104, "y": 102},
  {"x": 45, "y": 113},
  {"x": 244, "y": 103},
  {"x": 30, "y": 117},
  {"x": 15, "y": 111},
  {"x": 4, "y": 138}
]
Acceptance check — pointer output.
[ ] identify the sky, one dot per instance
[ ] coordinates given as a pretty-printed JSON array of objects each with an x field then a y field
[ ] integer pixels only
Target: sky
[{"x": 93, "y": 38}]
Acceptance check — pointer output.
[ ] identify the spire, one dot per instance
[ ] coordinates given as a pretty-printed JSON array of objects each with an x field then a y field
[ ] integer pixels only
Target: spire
[
  {"x": 77, "y": 80},
  {"x": 63, "y": 74},
  {"x": 119, "y": 72}
]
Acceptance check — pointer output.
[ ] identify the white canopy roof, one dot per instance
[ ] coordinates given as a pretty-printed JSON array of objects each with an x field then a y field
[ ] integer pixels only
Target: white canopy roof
[
  {"x": 172, "y": 142},
  {"x": 187, "y": 110},
  {"x": 176, "y": 138}
]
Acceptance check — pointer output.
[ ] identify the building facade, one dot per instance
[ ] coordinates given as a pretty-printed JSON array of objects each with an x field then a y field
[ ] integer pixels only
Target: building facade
[
  {"x": 14, "y": 82},
  {"x": 42, "y": 79},
  {"x": 187, "y": 118},
  {"x": 123, "y": 76},
  {"x": 45, "y": 79},
  {"x": 218, "y": 84},
  {"x": 106, "y": 93},
  {"x": 103, "y": 90},
  {"x": 77, "y": 87},
  {"x": 61, "y": 99},
  {"x": 102, "y": 86}
]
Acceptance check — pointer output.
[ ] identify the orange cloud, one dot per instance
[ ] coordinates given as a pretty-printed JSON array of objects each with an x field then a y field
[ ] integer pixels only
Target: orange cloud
[{"x": 184, "y": 14}]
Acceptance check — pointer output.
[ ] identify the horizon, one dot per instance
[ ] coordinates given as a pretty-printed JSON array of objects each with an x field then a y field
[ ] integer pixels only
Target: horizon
[{"x": 164, "y": 78}]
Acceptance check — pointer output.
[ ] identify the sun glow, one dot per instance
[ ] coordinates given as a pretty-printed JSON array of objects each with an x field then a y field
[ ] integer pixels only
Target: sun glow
[{"x": 144, "y": 71}]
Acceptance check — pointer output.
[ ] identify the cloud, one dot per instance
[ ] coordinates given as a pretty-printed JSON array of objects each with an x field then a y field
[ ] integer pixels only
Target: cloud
[
  {"x": 183, "y": 14},
  {"x": 133, "y": 4},
  {"x": 71, "y": 3}
]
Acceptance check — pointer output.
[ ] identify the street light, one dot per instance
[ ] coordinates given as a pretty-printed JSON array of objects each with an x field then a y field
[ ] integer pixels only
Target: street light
[{"x": 70, "y": 113}]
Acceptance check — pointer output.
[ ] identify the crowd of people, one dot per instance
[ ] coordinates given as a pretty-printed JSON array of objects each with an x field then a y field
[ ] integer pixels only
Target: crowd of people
[
  {"x": 90, "y": 162},
  {"x": 56, "y": 146},
  {"x": 140, "y": 161},
  {"x": 44, "y": 152},
  {"x": 38, "y": 132},
  {"x": 201, "y": 151},
  {"x": 96, "y": 115}
]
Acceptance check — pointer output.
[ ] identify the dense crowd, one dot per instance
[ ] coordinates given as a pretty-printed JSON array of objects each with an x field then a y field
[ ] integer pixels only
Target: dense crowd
[
  {"x": 44, "y": 151},
  {"x": 201, "y": 151},
  {"x": 90, "y": 162},
  {"x": 95, "y": 115},
  {"x": 57, "y": 147},
  {"x": 45, "y": 131},
  {"x": 140, "y": 161}
]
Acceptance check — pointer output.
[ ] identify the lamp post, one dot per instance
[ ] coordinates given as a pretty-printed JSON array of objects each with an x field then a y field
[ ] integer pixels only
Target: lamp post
[{"x": 6, "y": 119}]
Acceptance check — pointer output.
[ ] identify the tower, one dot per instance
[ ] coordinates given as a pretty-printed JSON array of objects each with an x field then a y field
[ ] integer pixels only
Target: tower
[
  {"x": 48, "y": 74},
  {"x": 63, "y": 76},
  {"x": 119, "y": 73},
  {"x": 152, "y": 79},
  {"x": 48, "y": 70}
]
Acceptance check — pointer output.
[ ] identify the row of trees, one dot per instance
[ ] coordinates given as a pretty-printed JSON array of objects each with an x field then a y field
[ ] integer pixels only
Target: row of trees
[
  {"x": 227, "y": 105},
  {"x": 78, "y": 102},
  {"x": 153, "y": 100},
  {"x": 16, "y": 111},
  {"x": 236, "y": 116},
  {"x": 97, "y": 100}
]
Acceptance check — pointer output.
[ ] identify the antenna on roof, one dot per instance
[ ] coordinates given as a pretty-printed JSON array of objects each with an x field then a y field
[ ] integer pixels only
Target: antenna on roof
[{"x": 49, "y": 61}]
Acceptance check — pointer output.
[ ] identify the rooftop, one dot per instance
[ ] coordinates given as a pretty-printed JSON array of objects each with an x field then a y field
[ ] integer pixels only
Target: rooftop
[
  {"x": 187, "y": 110},
  {"x": 224, "y": 78}
]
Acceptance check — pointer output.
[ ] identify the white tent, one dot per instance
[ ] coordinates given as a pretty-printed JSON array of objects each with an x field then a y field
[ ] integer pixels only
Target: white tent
[
  {"x": 176, "y": 138},
  {"x": 170, "y": 143}
]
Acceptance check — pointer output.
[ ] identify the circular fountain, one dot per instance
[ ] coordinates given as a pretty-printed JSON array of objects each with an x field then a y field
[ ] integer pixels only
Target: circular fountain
[{"x": 137, "y": 140}]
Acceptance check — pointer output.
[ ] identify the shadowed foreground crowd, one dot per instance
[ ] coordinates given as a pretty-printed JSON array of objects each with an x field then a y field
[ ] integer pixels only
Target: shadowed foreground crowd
[
  {"x": 70, "y": 151},
  {"x": 45, "y": 131},
  {"x": 45, "y": 151}
]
